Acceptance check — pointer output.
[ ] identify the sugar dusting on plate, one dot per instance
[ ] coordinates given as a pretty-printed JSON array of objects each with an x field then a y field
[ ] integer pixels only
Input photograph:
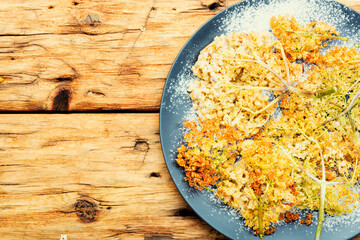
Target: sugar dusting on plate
[{"x": 256, "y": 17}]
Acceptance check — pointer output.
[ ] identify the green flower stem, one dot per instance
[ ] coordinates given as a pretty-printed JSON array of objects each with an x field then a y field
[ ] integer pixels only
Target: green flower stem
[
  {"x": 321, "y": 218},
  {"x": 301, "y": 92},
  {"x": 353, "y": 127},
  {"x": 325, "y": 92},
  {"x": 261, "y": 211},
  {"x": 352, "y": 104},
  {"x": 260, "y": 219},
  {"x": 285, "y": 62},
  {"x": 352, "y": 122},
  {"x": 210, "y": 190},
  {"x": 331, "y": 37},
  {"x": 269, "y": 105},
  {"x": 263, "y": 64},
  {"x": 310, "y": 34},
  {"x": 252, "y": 87}
]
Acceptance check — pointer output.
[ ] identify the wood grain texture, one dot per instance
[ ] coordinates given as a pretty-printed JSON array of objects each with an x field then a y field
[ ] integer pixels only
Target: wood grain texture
[
  {"x": 94, "y": 54},
  {"x": 114, "y": 161}
]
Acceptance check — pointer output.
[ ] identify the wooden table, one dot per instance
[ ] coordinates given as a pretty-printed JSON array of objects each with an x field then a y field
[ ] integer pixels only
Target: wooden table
[{"x": 80, "y": 96}]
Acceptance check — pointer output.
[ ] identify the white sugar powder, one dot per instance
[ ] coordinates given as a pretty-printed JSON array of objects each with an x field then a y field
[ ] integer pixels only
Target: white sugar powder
[{"x": 257, "y": 17}]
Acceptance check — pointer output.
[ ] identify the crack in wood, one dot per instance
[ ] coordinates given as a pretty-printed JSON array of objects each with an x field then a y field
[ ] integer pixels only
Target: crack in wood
[
  {"x": 119, "y": 232},
  {"x": 66, "y": 212},
  {"x": 25, "y": 34},
  {"x": 54, "y": 142},
  {"x": 142, "y": 146},
  {"x": 74, "y": 74},
  {"x": 14, "y": 133},
  {"x": 158, "y": 236},
  {"x": 98, "y": 93},
  {"x": 141, "y": 31},
  {"x": 53, "y": 192},
  {"x": 92, "y": 198},
  {"x": 14, "y": 164},
  {"x": 146, "y": 21},
  {"x": 104, "y": 186},
  {"x": 51, "y": 143},
  {"x": 116, "y": 187},
  {"x": 85, "y": 184},
  {"x": 19, "y": 76},
  {"x": 64, "y": 79},
  {"x": 112, "y": 205},
  {"x": 114, "y": 235}
]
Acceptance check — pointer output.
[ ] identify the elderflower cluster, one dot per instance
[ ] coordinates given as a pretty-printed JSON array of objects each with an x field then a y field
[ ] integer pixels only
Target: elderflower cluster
[{"x": 262, "y": 164}]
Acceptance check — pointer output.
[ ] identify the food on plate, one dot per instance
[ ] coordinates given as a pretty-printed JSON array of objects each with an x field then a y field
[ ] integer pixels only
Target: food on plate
[{"x": 278, "y": 124}]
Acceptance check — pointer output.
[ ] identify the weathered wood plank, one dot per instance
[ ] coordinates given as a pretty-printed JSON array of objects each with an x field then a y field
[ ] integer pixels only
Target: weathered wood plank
[
  {"x": 99, "y": 55},
  {"x": 53, "y": 165},
  {"x": 102, "y": 52}
]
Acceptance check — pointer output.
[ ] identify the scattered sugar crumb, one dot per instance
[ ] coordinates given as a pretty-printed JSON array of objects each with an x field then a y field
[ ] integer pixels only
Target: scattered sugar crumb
[{"x": 63, "y": 237}]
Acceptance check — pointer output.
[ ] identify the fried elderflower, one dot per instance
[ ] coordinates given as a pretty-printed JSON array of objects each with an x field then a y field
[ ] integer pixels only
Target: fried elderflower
[{"x": 271, "y": 137}]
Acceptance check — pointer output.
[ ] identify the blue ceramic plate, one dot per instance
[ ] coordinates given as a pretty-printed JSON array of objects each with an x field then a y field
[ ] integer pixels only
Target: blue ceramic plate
[{"x": 176, "y": 106}]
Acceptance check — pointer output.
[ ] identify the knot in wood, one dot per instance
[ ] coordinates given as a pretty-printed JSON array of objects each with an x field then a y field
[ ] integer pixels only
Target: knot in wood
[
  {"x": 91, "y": 20},
  {"x": 155, "y": 175},
  {"x": 212, "y": 5},
  {"x": 141, "y": 145},
  {"x": 62, "y": 100},
  {"x": 184, "y": 212},
  {"x": 86, "y": 210}
]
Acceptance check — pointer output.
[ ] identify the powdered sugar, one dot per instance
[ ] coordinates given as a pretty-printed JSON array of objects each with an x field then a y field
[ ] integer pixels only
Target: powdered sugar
[
  {"x": 257, "y": 16},
  {"x": 177, "y": 89}
]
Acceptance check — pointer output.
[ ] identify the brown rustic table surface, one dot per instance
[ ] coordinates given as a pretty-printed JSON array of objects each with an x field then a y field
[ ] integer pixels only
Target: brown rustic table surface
[{"x": 80, "y": 97}]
